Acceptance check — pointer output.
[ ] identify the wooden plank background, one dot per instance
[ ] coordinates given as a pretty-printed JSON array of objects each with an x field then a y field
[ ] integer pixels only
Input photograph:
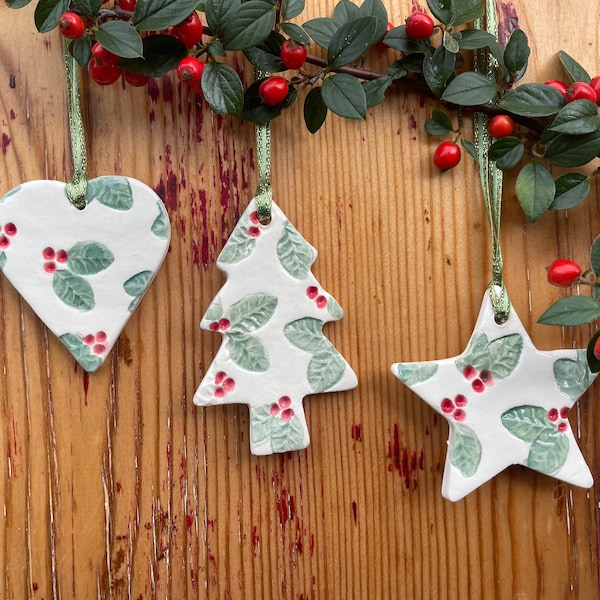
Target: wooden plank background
[{"x": 114, "y": 485}]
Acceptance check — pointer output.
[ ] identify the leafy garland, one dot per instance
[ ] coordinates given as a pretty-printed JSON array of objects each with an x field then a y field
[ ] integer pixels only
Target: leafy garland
[{"x": 551, "y": 132}]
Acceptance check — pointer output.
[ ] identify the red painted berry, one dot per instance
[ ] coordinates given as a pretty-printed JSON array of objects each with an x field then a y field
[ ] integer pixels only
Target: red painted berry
[
  {"x": 254, "y": 232},
  {"x": 478, "y": 386},
  {"x": 580, "y": 91},
  {"x": 136, "y": 79},
  {"x": 562, "y": 426},
  {"x": 101, "y": 337},
  {"x": 312, "y": 292},
  {"x": 127, "y": 5},
  {"x": 293, "y": 54},
  {"x": 459, "y": 415},
  {"x": 321, "y": 302},
  {"x": 447, "y": 405},
  {"x": 48, "y": 253},
  {"x": 595, "y": 85},
  {"x": 189, "y": 32},
  {"x": 229, "y": 385},
  {"x": 419, "y": 26},
  {"x": 284, "y": 402},
  {"x": 4, "y": 242},
  {"x": 254, "y": 217},
  {"x": 189, "y": 70},
  {"x": 446, "y": 156},
  {"x": 104, "y": 74},
  {"x": 219, "y": 392},
  {"x": 287, "y": 414},
  {"x": 99, "y": 349},
  {"x": 460, "y": 400},
  {"x": 559, "y": 86},
  {"x": 50, "y": 268},
  {"x": 564, "y": 411},
  {"x": 102, "y": 56},
  {"x": 214, "y": 326},
  {"x": 552, "y": 415},
  {"x": 89, "y": 339},
  {"x": 273, "y": 91},
  {"x": 563, "y": 272},
  {"x": 469, "y": 372},
  {"x": 501, "y": 126},
  {"x": 220, "y": 377},
  {"x": 10, "y": 229},
  {"x": 486, "y": 377},
  {"x": 224, "y": 324},
  {"x": 71, "y": 25},
  {"x": 274, "y": 409},
  {"x": 62, "y": 256}
]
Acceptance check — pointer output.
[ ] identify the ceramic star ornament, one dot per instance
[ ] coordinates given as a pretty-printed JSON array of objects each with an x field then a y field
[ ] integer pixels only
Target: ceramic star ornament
[{"x": 506, "y": 403}]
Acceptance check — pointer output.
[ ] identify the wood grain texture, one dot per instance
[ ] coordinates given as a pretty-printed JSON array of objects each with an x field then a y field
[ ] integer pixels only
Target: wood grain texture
[{"x": 114, "y": 485}]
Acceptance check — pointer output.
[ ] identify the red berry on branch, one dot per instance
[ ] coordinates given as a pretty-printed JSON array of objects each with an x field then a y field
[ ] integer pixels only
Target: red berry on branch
[
  {"x": 127, "y": 5},
  {"x": 446, "y": 156},
  {"x": 595, "y": 85},
  {"x": 104, "y": 74},
  {"x": 189, "y": 70},
  {"x": 102, "y": 56},
  {"x": 501, "y": 126},
  {"x": 580, "y": 91},
  {"x": 189, "y": 32},
  {"x": 419, "y": 26},
  {"x": 293, "y": 54},
  {"x": 559, "y": 86},
  {"x": 563, "y": 272},
  {"x": 71, "y": 25},
  {"x": 273, "y": 91}
]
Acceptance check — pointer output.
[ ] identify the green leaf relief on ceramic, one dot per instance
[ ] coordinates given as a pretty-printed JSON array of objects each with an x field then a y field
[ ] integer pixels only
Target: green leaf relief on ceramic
[
  {"x": 160, "y": 227},
  {"x": 81, "y": 351},
  {"x": 334, "y": 309},
  {"x": 500, "y": 356},
  {"x": 2, "y": 260},
  {"x": 573, "y": 377},
  {"x": 306, "y": 334},
  {"x": 295, "y": 254},
  {"x": 251, "y": 313},
  {"x": 412, "y": 373},
  {"x": 89, "y": 258},
  {"x": 136, "y": 286},
  {"x": 10, "y": 193},
  {"x": 114, "y": 192},
  {"x": 282, "y": 436},
  {"x": 325, "y": 369},
  {"x": 465, "y": 454},
  {"x": 73, "y": 290},
  {"x": 549, "y": 447},
  {"x": 239, "y": 246},
  {"x": 247, "y": 352},
  {"x": 214, "y": 311}
]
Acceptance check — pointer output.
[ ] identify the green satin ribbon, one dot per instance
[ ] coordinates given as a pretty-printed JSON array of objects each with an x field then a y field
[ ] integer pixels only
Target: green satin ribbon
[{"x": 264, "y": 191}]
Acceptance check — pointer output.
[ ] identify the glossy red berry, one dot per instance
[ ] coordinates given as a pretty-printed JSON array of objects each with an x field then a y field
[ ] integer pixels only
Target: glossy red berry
[
  {"x": 501, "y": 126},
  {"x": 104, "y": 74},
  {"x": 419, "y": 26},
  {"x": 136, "y": 79},
  {"x": 102, "y": 56},
  {"x": 562, "y": 427},
  {"x": 273, "y": 91},
  {"x": 127, "y": 5},
  {"x": 284, "y": 402},
  {"x": 293, "y": 54},
  {"x": 595, "y": 85},
  {"x": 71, "y": 25},
  {"x": 189, "y": 71},
  {"x": 552, "y": 415},
  {"x": 580, "y": 91},
  {"x": 189, "y": 32},
  {"x": 563, "y": 272},
  {"x": 287, "y": 414},
  {"x": 447, "y": 406},
  {"x": 321, "y": 302},
  {"x": 559, "y": 86},
  {"x": 446, "y": 156}
]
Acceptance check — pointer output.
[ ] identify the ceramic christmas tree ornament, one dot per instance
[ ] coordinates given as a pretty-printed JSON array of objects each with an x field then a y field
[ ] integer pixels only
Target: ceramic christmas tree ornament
[
  {"x": 83, "y": 271},
  {"x": 506, "y": 403}
]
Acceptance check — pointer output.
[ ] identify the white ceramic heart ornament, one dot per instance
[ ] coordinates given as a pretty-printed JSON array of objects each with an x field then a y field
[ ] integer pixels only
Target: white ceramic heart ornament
[{"x": 83, "y": 271}]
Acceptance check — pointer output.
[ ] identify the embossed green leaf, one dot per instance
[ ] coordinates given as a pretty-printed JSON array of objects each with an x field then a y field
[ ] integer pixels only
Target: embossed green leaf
[
  {"x": 89, "y": 258},
  {"x": 527, "y": 422},
  {"x": 73, "y": 290},
  {"x": 11, "y": 193},
  {"x": 288, "y": 437},
  {"x": 465, "y": 454},
  {"x": 412, "y": 373},
  {"x": 2, "y": 260},
  {"x": 252, "y": 313},
  {"x": 573, "y": 377},
  {"x": 477, "y": 354},
  {"x": 247, "y": 352},
  {"x": 262, "y": 424},
  {"x": 500, "y": 356},
  {"x": 306, "y": 334},
  {"x": 74, "y": 343},
  {"x": 549, "y": 451},
  {"x": 136, "y": 286},
  {"x": 113, "y": 192},
  {"x": 295, "y": 254},
  {"x": 334, "y": 309},
  {"x": 214, "y": 311},
  {"x": 325, "y": 369},
  {"x": 160, "y": 227},
  {"x": 239, "y": 246}
]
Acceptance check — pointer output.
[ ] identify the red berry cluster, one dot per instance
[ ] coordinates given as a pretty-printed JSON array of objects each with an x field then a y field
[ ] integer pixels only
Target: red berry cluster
[
  {"x": 554, "y": 414},
  {"x": 9, "y": 231},
  {"x": 96, "y": 341},
  {"x": 578, "y": 90},
  {"x": 51, "y": 257},
  {"x": 282, "y": 409},
  {"x": 312, "y": 292},
  {"x": 480, "y": 381},
  {"x": 455, "y": 408},
  {"x": 220, "y": 325},
  {"x": 225, "y": 385}
]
